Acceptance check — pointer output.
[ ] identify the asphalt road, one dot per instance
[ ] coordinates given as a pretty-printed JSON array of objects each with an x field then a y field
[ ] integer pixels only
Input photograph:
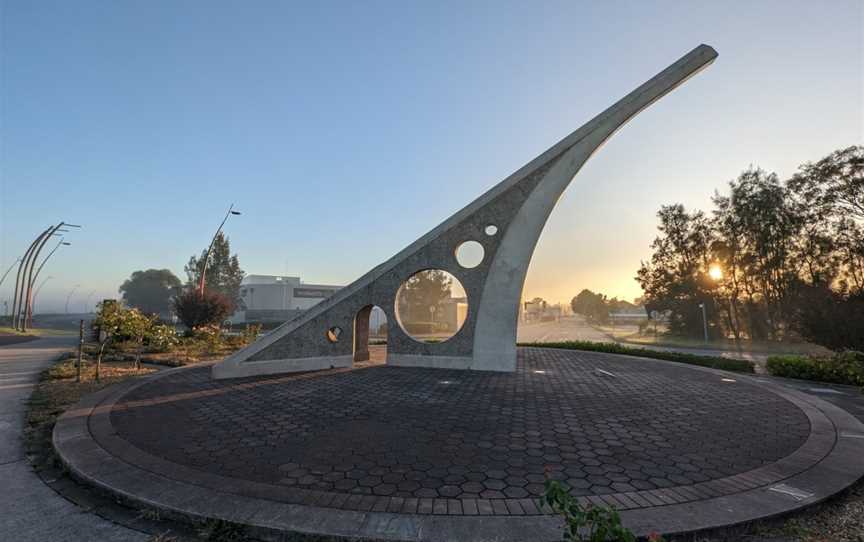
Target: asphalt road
[{"x": 30, "y": 510}]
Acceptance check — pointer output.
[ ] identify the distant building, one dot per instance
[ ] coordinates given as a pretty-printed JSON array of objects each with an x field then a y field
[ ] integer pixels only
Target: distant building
[
  {"x": 537, "y": 310},
  {"x": 630, "y": 314},
  {"x": 270, "y": 299}
]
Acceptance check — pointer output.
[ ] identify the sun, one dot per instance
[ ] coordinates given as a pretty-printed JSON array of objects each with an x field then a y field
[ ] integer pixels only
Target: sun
[{"x": 715, "y": 272}]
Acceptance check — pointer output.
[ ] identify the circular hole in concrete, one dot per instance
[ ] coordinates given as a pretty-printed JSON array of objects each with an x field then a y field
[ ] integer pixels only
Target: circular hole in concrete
[
  {"x": 491, "y": 229},
  {"x": 470, "y": 254},
  {"x": 333, "y": 334},
  {"x": 431, "y": 306}
]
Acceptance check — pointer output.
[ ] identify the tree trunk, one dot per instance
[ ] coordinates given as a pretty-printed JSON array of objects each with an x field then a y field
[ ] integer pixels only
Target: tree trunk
[{"x": 99, "y": 359}]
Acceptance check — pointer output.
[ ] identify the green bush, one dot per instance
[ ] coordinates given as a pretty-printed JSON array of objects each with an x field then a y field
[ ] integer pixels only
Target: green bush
[
  {"x": 715, "y": 362},
  {"x": 588, "y": 523},
  {"x": 842, "y": 368}
]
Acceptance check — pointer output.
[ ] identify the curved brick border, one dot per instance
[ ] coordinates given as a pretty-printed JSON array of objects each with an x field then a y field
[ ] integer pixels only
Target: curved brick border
[{"x": 88, "y": 445}]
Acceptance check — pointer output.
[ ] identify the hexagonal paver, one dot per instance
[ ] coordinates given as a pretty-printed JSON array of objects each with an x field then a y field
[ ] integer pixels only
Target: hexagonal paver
[{"x": 385, "y": 432}]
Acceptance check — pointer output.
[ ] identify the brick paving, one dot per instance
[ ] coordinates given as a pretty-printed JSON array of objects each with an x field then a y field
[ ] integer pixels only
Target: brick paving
[{"x": 631, "y": 432}]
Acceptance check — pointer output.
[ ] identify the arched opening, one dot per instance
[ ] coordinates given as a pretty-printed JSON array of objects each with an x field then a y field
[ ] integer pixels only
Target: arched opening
[{"x": 370, "y": 335}]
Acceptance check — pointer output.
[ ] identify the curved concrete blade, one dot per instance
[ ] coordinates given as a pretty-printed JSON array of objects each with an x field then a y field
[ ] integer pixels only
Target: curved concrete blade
[{"x": 518, "y": 207}]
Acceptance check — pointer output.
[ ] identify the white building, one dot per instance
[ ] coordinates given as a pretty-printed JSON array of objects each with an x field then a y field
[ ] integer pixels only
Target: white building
[{"x": 269, "y": 299}]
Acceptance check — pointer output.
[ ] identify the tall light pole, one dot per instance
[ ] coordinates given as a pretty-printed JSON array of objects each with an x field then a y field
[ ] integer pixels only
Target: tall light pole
[
  {"x": 7, "y": 271},
  {"x": 68, "y": 297},
  {"x": 17, "y": 298},
  {"x": 29, "y": 319},
  {"x": 87, "y": 304},
  {"x": 24, "y": 279},
  {"x": 36, "y": 293},
  {"x": 704, "y": 322},
  {"x": 30, "y": 277},
  {"x": 230, "y": 212}
]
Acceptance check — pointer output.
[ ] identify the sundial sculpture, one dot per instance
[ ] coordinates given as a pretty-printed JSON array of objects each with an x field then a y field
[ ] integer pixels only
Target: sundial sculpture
[{"x": 507, "y": 221}]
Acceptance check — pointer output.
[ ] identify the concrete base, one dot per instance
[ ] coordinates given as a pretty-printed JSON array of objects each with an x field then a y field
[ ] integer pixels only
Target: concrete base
[
  {"x": 275, "y": 366},
  {"x": 434, "y": 362},
  {"x": 688, "y": 465}
]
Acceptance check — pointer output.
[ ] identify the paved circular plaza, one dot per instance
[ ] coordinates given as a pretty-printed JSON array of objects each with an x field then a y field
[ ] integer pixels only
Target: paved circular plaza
[{"x": 416, "y": 454}]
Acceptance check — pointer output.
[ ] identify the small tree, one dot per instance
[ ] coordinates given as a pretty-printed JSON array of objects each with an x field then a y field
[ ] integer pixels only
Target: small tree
[
  {"x": 109, "y": 320},
  {"x": 137, "y": 326},
  {"x": 196, "y": 310},
  {"x": 223, "y": 271}
]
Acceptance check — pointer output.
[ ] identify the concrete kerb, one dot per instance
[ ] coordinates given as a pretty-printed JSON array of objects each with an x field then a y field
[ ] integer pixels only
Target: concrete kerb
[{"x": 826, "y": 464}]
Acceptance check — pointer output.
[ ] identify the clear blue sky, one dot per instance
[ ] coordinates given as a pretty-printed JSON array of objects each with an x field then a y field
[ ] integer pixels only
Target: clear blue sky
[{"x": 344, "y": 130}]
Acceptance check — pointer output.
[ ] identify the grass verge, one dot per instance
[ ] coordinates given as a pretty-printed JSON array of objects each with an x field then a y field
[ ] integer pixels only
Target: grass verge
[
  {"x": 57, "y": 391},
  {"x": 38, "y": 332},
  {"x": 715, "y": 362}
]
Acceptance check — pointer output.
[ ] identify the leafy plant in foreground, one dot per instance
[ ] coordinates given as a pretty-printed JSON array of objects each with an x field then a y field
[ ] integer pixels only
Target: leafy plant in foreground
[{"x": 588, "y": 523}]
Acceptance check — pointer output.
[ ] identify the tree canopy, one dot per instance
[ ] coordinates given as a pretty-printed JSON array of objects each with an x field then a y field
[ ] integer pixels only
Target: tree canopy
[
  {"x": 223, "y": 274},
  {"x": 150, "y": 291},
  {"x": 594, "y": 307},
  {"x": 775, "y": 259},
  {"x": 430, "y": 288}
]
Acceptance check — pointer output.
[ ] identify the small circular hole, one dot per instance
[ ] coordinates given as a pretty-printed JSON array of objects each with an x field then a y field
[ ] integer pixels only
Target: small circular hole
[
  {"x": 333, "y": 334},
  {"x": 491, "y": 229},
  {"x": 470, "y": 254}
]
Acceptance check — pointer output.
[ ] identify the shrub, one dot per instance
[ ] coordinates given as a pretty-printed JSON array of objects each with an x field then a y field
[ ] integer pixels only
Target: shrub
[
  {"x": 832, "y": 319},
  {"x": 588, "y": 523},
  {"x": 250, "y": 333},
  {"x": 197, "y": 310},
  {"x": 162, "y": 338},
  {"x": 715, "y": 362},
  {"x": 844, "y": 368}
]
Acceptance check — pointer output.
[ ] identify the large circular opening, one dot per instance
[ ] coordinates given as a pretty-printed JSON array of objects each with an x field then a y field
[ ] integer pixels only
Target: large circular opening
[{"x": 431, "y": 306}]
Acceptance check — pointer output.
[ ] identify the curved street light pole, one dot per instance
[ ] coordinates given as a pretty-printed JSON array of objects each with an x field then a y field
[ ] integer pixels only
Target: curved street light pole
[
  {"x": 6, "y": 302},
  {"x": 68, "y": 297},
  {"x": 35, "y": 294},
  {"x": 25, "y": 261},
  {"x": 87, "y": 304},
  {"x": 8, "y": 270},
  {"x": 230, "y": 212},
  {"x": 32, "y": 264},
  {"x": 30, "y": 301}
]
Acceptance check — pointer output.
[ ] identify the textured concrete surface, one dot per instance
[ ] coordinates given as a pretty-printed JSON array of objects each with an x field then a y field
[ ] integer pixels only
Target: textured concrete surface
[
  {"x": 30, "y": 510},
  {"x": 388, "y": 452},
  {"x": 517, "y": 207}
]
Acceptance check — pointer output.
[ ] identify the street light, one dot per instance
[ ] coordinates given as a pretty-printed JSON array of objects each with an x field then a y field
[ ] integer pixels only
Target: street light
[
  {"x": 17, "y": 298},
  {"x": 230, "y": 212},
  {"x": 7, "y": 271},
  {"x": 715, "y": 273},
  {"x": 704, "y": 322},
  {"x": 24, "y": 279},
  {"x": 30, "y": 302},
  {"x": 87, "y": 304},
  {"x": 35, "y": 294},
  {"x": 70, "y": 297}
]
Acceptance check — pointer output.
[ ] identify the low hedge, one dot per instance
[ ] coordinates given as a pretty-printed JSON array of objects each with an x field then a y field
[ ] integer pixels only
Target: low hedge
[
  {"x": 715, "y": 362},
  {"x": 843, "y": 368}
]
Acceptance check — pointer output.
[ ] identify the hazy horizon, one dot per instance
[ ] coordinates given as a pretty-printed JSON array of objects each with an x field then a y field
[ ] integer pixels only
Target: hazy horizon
[{"x": 344, "y": 132}]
